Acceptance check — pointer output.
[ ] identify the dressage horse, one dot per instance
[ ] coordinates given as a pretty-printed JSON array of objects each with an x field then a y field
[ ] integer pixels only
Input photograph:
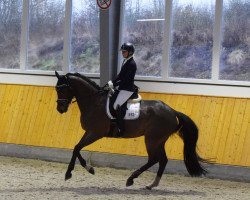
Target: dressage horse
[{"x": 157, "y": 122}]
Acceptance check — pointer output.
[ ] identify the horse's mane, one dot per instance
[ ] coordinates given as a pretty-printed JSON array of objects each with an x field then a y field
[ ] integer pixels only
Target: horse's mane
[{"x": 92, "y": 83}]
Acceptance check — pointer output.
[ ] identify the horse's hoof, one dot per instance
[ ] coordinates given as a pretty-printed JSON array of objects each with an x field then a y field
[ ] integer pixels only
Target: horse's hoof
[
  {"x": 129, "y": 182},
  {"x": 68, "y": 175},
  {"x": 148, "y": 188},
  {"x": 92, "y": 171}
]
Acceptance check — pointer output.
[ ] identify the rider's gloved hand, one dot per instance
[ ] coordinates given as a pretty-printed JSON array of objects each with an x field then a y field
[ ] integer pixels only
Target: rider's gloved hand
[{"x": 108, "y": 86}]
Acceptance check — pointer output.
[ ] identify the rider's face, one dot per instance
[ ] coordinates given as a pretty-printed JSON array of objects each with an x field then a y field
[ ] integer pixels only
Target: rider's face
[{"x": 125, "y": 54}]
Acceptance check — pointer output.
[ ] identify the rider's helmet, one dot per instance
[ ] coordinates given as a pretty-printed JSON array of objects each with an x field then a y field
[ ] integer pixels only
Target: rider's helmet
[{"x": 128, "y": 47}]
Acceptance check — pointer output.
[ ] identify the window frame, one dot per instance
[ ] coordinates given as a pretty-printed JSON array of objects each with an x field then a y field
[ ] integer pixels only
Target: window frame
[
  {"x": 217, "y": 37},
  {"x": 25, "y": 38},
  {"x": 164, "y": 84}
]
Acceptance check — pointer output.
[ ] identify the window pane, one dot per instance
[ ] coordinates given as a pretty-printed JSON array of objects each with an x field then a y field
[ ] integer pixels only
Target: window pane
[
  {"x": 45, "y": 51},
  {"x": 85, "y": 45},
  {"x": 143, "y": 26},
  {"x": 235, "y": 55},
  {"x": 10, "y": 33},
  {"x": 192, "y": 39}
]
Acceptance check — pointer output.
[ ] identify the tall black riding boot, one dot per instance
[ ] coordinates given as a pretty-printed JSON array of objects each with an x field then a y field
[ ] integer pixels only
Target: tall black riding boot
[{"x": 120, "y": 122}]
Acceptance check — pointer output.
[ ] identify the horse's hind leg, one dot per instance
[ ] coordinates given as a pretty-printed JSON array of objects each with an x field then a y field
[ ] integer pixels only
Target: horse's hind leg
[
  {"x": 85, "y": 141},
  {"x": 162, "y": 164},
  {"x": 152, "y": 159},
  {"x": 156, "y": 154},
  {"x": 138, "y": 172}
]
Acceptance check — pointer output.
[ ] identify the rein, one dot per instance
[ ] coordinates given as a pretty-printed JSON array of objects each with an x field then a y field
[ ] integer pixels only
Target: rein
[{"x": 59, "y": 87}]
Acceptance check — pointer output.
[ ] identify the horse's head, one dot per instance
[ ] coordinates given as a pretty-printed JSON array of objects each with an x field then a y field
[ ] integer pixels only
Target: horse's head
[{"x": 64, "y": 93}]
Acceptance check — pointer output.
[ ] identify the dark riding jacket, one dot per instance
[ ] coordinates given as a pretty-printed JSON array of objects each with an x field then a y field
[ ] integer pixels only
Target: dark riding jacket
[{"x": 125, "y": 79}]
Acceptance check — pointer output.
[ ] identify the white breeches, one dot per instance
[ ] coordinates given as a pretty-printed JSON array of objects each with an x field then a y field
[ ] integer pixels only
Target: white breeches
[{"x": 122, "y": 97}]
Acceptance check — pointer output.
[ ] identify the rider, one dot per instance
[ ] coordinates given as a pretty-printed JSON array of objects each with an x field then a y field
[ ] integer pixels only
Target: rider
[{"x": 125, "y": 82}]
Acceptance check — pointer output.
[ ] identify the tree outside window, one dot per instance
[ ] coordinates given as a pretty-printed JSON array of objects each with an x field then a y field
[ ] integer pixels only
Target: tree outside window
[
  {"x": 144, "y": 26},
  {"x": 85, "y": 45},
  {"x": 235, "y": 47},
  {"x": 46, "y": 28},
  {"x": 192, "y": 39},
  {"x": 10, "y": 33}
]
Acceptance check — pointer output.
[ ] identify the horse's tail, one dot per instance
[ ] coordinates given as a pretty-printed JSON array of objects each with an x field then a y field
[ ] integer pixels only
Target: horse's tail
[{"x": 188, "y": 131}]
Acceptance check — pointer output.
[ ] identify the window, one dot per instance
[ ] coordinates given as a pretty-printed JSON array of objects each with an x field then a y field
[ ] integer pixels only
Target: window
[
  {"x": 177, "y": 40},
  {"x": 85, "y": 48},
  {"x": 56, "y": 35},
  {"x": 235, "y": 51},
  {"x": 45, "y": 48},
  {"x": 143, "y": 26},
  {"x": 192, "y": 39},
  {"x": 205, "y": 43},
  {"x": 10, "y": 29}
]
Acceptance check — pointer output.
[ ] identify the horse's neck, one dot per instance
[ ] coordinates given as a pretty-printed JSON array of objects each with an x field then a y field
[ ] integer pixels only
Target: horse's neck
[
  {"x": 90, "y": 104},
  {"x": 85, "y": 94}
]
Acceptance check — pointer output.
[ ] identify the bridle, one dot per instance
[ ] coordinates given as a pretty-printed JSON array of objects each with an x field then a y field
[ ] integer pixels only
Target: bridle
[{"x": 59, "y": 87}]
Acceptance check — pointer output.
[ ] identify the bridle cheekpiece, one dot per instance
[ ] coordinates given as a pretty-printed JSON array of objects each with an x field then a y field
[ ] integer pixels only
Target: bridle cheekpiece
[{"x": 59, "y": 87}]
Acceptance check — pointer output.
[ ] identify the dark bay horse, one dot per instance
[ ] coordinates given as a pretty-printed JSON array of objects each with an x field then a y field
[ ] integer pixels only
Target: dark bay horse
[{"x": 157, "y": 122}]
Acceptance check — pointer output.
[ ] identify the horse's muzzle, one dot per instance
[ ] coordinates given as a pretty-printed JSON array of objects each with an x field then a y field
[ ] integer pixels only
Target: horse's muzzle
[
  {"x": 61, "y": 110},
  {"x": 62, "y": 107}
]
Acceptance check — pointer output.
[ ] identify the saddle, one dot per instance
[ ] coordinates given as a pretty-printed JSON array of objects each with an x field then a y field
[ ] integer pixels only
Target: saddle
[{"x": 130, "y": 110}]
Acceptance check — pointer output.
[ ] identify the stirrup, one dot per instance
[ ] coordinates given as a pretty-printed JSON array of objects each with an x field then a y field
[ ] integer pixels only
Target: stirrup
[
  {"x": 119, "y": 123},
  {"x": 120, "y": 132}
]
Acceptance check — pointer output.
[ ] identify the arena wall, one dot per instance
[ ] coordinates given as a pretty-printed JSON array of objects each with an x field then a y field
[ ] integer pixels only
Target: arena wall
[{"x": 29, "y": 117}]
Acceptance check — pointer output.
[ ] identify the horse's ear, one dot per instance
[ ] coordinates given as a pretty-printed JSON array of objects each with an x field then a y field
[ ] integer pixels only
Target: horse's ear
[{"x": 57, "y": 75}]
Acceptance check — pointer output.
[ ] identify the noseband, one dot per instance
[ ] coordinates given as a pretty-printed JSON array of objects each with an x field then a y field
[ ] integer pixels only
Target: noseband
[
  {"x": 58, "y": 88},
  {"x": 63, "y": 101}
]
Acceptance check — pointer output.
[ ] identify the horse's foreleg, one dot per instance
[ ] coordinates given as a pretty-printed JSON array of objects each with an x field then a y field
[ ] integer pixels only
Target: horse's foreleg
[
  {"x": 85, "y": 141},
  {"x": 162, "y": 164},
  {"x": 90, "y": 169}
]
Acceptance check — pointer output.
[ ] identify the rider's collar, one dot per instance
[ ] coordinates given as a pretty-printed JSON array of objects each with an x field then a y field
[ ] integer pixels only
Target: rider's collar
[{"x": 126, "y": 59}]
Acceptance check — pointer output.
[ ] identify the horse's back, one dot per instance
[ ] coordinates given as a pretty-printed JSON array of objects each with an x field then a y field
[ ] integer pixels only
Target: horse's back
[
  {"x": 157, "y": 107},
  {"x": 150, "y": 109},
  {"x": 159, "y": 116}
]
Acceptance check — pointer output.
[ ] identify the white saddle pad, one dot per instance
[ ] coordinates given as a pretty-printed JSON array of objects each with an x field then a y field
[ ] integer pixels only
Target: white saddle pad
[{"x": 132, "y": 112}]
